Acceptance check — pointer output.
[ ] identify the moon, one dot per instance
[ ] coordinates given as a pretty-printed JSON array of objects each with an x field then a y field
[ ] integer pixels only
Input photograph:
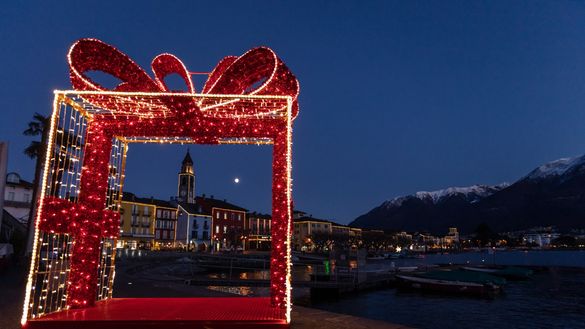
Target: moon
[{"x": 236, "y": 180}]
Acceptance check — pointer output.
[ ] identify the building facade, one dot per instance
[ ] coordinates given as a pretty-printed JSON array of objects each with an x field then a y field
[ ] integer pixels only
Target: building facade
[
  {"x": 164, "y": 224},
  {"x": 258, "y": 231},
  {"x": 193, "y": 228},
  {"x": 227, "y": 223},
  {"x": 137, "y": 222},
  {"x": 306, "y": 230},
  {"x": 18, "y": 197}
]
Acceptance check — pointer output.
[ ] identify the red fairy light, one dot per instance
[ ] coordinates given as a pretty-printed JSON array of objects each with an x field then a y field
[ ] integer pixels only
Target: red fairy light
[{"x": 243, "y": 98}]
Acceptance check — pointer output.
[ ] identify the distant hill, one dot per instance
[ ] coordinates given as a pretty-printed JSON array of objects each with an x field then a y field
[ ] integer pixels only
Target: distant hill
[{"x": 552, "y": 194}]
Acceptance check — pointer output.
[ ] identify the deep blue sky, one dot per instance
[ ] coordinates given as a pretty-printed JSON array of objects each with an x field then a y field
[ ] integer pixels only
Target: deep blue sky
[{"x": 396, "y": 97}]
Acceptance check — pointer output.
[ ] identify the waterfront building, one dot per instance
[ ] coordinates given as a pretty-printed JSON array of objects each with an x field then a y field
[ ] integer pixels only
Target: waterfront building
[
  {"x": 18, "y": 197},
  {"x": 137, "y": 222},
  {"x": 452, "y": 237},
  {"x": 193, "y": 228},
  {"x": 340, "y": 230},
  {"x": 355, "y": 232},
  {"x": 258, "y": 229},
  {"x": 165, "y": 224},
  {"x": 228, "y": 222},
  {"x": 306, "y": 229}
]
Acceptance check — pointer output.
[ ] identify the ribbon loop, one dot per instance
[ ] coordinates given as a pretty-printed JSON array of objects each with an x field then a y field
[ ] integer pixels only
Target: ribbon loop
[{"x": 257, "y": 72}]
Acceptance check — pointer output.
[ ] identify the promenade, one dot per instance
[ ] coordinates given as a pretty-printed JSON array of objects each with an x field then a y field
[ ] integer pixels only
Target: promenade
[{"x": 12, "y": 282}]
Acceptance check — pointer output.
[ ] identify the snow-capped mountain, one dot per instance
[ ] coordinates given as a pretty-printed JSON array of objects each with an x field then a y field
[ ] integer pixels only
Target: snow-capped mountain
[
  {"x": 556, "y": 168},
  {"x": 552, "y": 194},
  {"x": 471, "y": 194}
]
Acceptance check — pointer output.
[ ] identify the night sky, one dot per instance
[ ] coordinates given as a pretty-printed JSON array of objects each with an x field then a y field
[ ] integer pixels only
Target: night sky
[{"x": 395, "y": 97}]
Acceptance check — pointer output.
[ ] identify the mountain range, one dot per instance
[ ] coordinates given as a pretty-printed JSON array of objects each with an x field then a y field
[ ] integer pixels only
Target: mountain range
[{"x": 550, "y": 195}]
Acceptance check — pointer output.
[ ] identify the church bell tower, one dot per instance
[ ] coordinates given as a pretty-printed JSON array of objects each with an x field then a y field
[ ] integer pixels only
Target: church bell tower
[{"x": 186, "y": 190}]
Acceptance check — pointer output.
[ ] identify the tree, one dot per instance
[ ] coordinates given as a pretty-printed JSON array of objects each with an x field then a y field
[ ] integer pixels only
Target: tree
[
  {"x": 36, "y": 150},
  {"x": 485, "y": 235},
  {"x": 321, "y": 240}
]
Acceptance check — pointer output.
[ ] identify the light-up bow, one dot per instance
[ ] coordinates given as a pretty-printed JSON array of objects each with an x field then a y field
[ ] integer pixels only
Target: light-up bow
[{"x": 232, "y": 75}]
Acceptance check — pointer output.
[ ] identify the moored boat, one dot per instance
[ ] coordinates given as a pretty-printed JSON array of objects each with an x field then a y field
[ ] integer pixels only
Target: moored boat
[
  {"x": 510, "y": 272},
  {"x": 447, "y": 287},
  {"x": 464, "y": 276}
]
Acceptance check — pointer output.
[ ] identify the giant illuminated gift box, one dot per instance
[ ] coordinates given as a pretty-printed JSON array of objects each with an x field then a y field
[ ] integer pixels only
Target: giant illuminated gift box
[{"x": 251, "y": 99}]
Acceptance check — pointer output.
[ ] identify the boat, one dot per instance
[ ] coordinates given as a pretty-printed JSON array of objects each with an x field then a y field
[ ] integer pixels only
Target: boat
[
  {"x": 510, "y": 272},
  {"x": 464, "y": 276},
  {"x": 447, "y": 287}
]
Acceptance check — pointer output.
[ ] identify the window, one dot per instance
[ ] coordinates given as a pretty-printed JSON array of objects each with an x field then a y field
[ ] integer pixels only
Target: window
[
  {"x": 225, "y": 215},
  {"x": 10, "y": 196},
  {"x": 146, "y": 211},
  {"x": 217, "y": 215},
  {"x": 134, "y": 209},
  {"x": 205, "y": 235},
  {"x": 216, "y": 229},
  {"x": 158, "y": 213},
  {"x": 239, "y": 216},
  {"x": 194, "y": 223},
  {"x": 26, "y": 197},
  {"x": 224, "y": 229},
  {"x": 13, "y": 178}
]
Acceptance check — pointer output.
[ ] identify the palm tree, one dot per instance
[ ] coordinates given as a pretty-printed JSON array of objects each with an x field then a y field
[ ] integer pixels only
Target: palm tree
[{"x": 36, "y": 150}]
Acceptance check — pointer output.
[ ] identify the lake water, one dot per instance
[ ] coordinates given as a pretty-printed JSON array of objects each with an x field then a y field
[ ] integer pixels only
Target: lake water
[{"x": 554, "y": 298}]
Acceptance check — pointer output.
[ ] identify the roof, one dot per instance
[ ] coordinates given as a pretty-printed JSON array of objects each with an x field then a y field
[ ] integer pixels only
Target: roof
[
  {"x": 208, "y": 204},
  {"x": 191, "y": 208},
  {"x": 259, "y": 215},
  {"x": 162, "y": 203},
  {"x": 13, "y": 179},
  {"x": 187, "y": 159},
  {"x": 131, "y": 197},
  {"x": 312, "y": 219}
]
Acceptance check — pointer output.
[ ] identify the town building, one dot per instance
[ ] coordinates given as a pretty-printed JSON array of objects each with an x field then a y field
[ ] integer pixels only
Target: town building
[
  {"x": 165, "y": 224},
  {"x": 228, "y": 223},
  {"x": 452, "y": 237},
  {"x": 355, "y": 232},
  {"x": 18, "y": 197},
  {"x": 137, "y": 222},
  {"x": 258, "y": 229},
  {"x": 340, "y": 230},
  {"x": 193, "y": 228},
  {"x": 306, "y": 229}
]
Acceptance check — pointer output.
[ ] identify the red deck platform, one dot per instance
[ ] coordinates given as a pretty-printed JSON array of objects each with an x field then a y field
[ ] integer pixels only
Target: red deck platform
[{"x": 131, "y": 313}]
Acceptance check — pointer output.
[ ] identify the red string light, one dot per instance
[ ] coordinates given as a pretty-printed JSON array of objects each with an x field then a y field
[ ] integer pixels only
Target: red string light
[{"x": 146, "y": 109}]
